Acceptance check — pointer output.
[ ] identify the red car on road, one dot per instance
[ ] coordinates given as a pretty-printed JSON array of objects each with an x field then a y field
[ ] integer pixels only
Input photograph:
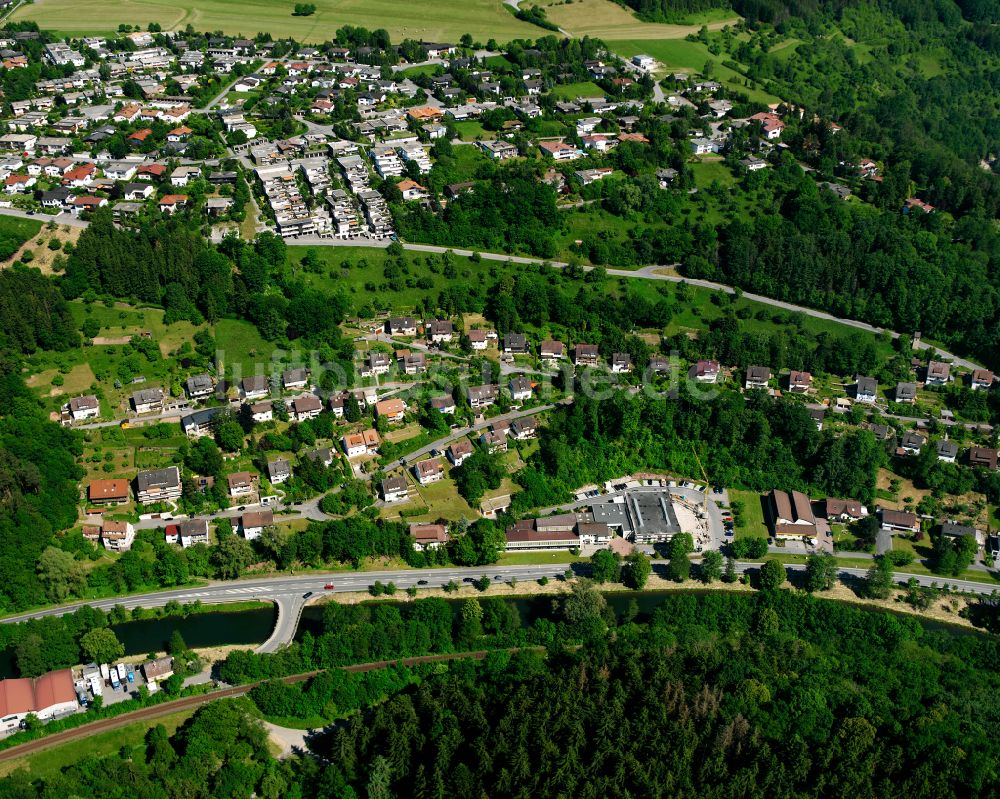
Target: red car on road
[{"x": 328, "y": 587}]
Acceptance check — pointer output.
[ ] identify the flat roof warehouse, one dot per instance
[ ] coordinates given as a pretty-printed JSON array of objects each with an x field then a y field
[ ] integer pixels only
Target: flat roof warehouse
[{"x": 641, "y": 515}]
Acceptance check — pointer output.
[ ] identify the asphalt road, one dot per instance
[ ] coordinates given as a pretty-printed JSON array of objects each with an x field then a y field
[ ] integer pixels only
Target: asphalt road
[
  {"x": 289, "y": 589},
  {"x": 651, "y": 272}
]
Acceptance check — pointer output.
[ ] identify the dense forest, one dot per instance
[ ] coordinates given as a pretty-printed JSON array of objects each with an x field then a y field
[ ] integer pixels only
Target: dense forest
[
  {"x": 724, "y": 695},
  {"x": 38, "y": 486},
  {"x": 756, "y": 442}
]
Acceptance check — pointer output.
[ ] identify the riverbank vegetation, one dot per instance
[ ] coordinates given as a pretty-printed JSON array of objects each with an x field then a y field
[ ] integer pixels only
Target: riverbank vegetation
[{"x": 774, "y": 690}]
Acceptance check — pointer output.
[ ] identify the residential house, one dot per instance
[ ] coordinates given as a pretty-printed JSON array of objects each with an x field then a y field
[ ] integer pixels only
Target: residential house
[
  {"x": 440, "y": 331},
  {"x": 560, "y": 150},
  {"x": 520, "y": 389},
  {"x": 363, "y": 443},
  {"x": 494, "y": 440},
  {"x": 550, "y": 351},
  {"x": 585, "y": 355},
  {"x": 791, "y": 514},
  {"x": 947, "y": 450},
  {"x": 478, "y": 339},
  {"x": 377, "y": 363},
  {"x": 938, "y": 373},
  {"x": 253, "y": 523},
  {"x": 524, "y": 428},
  {"x": 411, "y": 190},
  {"x": 770, "y": 124},
  {"x": 262, "y": 411},
  {"x": 865, "y": 389},
  {"x": 818, "y": 415},
  {"x": 81, "y": 408},
  {"x": 193, "y": 531},
  {"x": 279, "y": 471},
  {"x": 706, "y": 371},
  {"x": 428, "y": 536},
  {"x": 843, "y": 510},
  {"x": 659, "y": 364},
  {"x": 107, "y": 492},
  {"x": 199, "y": 386},
  {"x": 515, "y": 344},
  {"x": 86, "y": 203},
  {"x": 201, "y": 423},
  {"x": 906, "y": 393},
  {"x": 911, "y": 443},
  {"x": 294, "y": 379},
  {"x": 983, "y": 456},
  {"x": 981, "y": 378},
  {"x": 757, "y": 377},
  {"x": 482, "y": 396},
  {"x": 170, "y": 203},
  {"x": 429, "y": 471},
  {"x": 307, "y": 407},
  {"x": 322, "y": 455},
  {"x": 412, "y": 363},
  {"x": 392, "y": 410},
  {"x": 899, "y": 521},
  {"x": 158, "y": 485},
  {"x": 148, "y": 400},
  {"x": 444, "y": 404},
  {"x": 138, "y": 191},
  {"x": 159, "y": 669},
  {"x": 395, "y": 489},
  {"x": 955, "y": 531},
  {"x": 401, "y": 326},
  {"x": 241, "y": 484},
  {"x": 621, "y": 362},
  {"x": 117, "y": 536},
  {"x": 499, "y": 150},
  {"x": 255, "y": 387},
  {"x": 799, "y": 382},
  {"x": 460, "y": 451}
]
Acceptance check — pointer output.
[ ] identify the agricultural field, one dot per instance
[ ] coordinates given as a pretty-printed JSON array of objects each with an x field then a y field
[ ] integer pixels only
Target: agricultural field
[
  {"x": 606, "y": 19},
  {"x": 428, "y": 20}
]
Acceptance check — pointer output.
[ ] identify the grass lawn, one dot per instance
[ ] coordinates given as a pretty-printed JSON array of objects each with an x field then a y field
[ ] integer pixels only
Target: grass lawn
[
  {"x": 442, "y": 501},
  {"x": 14, "y": 231},
  {"x": 752, "y": 523},
  {"x": 541, "y": 558},
  {"x": 570, "y": 91},
  {"x": 706, "y": 172},
  {"x": 470, "y": 130},
  {"x": 243, "y": 347},
  {"x": 426, "y": 20},
  {"x": 360, "y": 272},
  {"x": 423, "y": 69},
  {"x": 50, "y": 762},
  {"x": 680, "y": 54}
]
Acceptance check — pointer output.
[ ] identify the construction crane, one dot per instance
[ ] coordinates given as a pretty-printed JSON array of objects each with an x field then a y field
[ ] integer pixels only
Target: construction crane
[{"x": 704, "y": 476}]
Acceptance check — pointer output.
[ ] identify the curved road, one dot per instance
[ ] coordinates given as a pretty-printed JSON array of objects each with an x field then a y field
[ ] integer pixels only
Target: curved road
[
  {"x": 289, "y": 593},
  {"x": 651, "y": 272}
]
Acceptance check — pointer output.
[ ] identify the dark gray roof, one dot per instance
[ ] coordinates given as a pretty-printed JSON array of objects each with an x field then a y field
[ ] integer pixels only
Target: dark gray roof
[{"x": 158, "y": 478}]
